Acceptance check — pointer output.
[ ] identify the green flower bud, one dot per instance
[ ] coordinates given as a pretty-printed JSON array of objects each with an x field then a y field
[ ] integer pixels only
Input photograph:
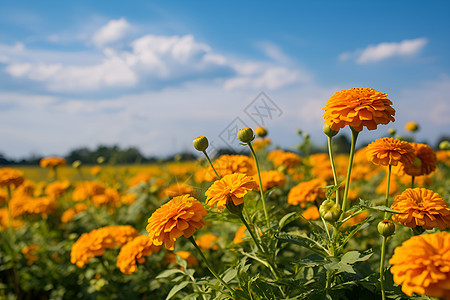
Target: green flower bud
[
  {"x": 392, "y": 131},
  {"x": 328, "y": 131},
  {"x": 261, "y": 131},
  {"x": 330, "y": 211},
  {"x": 76, "y": 164},
  {"x": 246, "y": 135},
  {"x": 200, "y": 143},
  {"x": 386, "y": 228},
  {"x": 299, "y": 132},
  {"x": 100, "y": 159},
  {"x": 444, "y": 145}
]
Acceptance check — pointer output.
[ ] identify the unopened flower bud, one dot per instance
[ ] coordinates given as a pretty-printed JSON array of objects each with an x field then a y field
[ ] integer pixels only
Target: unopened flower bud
[
  {"x": 261, "y": 131},
  {"x": 386, "y": 228},
  {"x": 200, "y": 143},
  {"x": 392, "y": 131},
  {"x": 306, "y": 136},
  {"x": 444, "y": 145},
  {"x": 299, "y": 132},
  {"x": 411, "y": 126},
  {"x": 100, "y": 159},
  {"x": 246, "y": 135},
  {"x": 328, "y": 131},
  {"x": 76, "y": 164},
  {"x": 330, "y": 211}
]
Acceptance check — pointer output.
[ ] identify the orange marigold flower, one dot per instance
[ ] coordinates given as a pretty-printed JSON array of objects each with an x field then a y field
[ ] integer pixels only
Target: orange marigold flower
[
  {"x": 240, "y": 235},
  {"x": 182, "y": 215},
  {"x": 424, "y": 163},
  {"x": 208, "y": 241},
  {"x": 443, "y": 156},
  {"x": 230, "y": 164},
  {"x": 128, "y": 199},
  {"x": 389, "y": 151},
  {"x": 422, "y": 265},
  {"x": 4, "y": 220},
  {"x": 24, "y": 204},
  {"x": 285, "y": 159},
  {"x": 423, "y": 207},
  {"x": 10, "y": 177},
  {"x": 311, "y": 213},
  {"x": 87, "y": 189},
  {"x": 72, "y": 212},
  {"x": 356, "y": 219},
  {"x": 307, "y": 191},
  {"x": 30, "y": 253},
  {"x": 231, "y": 187},
  {"x": 3, "y": 196},
  {"x": 259, "y": 144},
  {"x": 52, "y": 162},
  {"x": 358, "y": 108},
  {"x": 271, "y": 179},
  {"x": 171, "y": 258},
  {"x": 320, "y": 166},
  {"x": 135, "y": 250},
  {"x": 109, "y": 197},
  {"x": 177, "y": 189},
  {"x": 97, "y": 241},
  {"x": 56, "y": 189},
  {"x": 95, "y": 170}
]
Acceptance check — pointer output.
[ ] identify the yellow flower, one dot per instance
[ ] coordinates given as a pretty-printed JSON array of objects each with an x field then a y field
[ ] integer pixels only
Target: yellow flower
[
  {"x": 240, "y": 235},
  {"x": 424, "y": 208},
  {"x": 182, "y": 215},
  {"x": 177, "y": 189},
  {"x": 285, "y": 159},
  {"x": 72, "y": 212},
  {"x": 135, "y": 250},
  {"x": 231, "y": 187},
  {"x": 271, "y": 179},
  {"x": 4, "y": 220},
  {"x": 230, "y": 164},
  {"x": 424, "y": 163},
  {"x": 171, "y": 258},
  {"x": 307, "y": 191},
  {"x": 24, "y": 204},
  {"x": 422, "y": 265},
  {"x": 10, "y": 177},
  {"x": 97, "y": 241},
  {"x": 56, "y": 189},
  {"x": 95, "y": 170},
  {"x": 311, "y": 213},
  {"x": 3, "y": 196},
  {"x": 128, "y": 199},
  {"x": 208, "y": 241},
  {"x": 52, "y": 162},
  {"x": 390, "y": 151},
  {"x": 87, "y": 189},
  {"x": 358, "y": 108},
  {"x": 109, "y": 197}
]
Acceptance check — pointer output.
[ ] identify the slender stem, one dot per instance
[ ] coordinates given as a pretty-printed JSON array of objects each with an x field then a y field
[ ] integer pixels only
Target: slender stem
[
  {"x": 260, "y": 184},
  {"x": 383, "y": 252},
  {"x": 412, "y": 182},
  {"x": 349, "y": 170},
  {"x": 387, "y": 191},
  {"x": 251, "y": 233},
  {"x": 191, "y": 239},
  {"x": 207, "y": 157},
  {"x": 330, "y": 152}
]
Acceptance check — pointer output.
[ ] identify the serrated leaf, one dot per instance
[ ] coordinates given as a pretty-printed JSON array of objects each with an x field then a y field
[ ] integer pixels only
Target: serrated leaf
[
  {"x": 383, "y": 208},
  {"x": 313, "y": 260},
  {"x": 303, "y": 240},
  {"x": 229, "y": 275},
  {"x": 288, "y": 218},
  {"x": 167, "y": 273},
  {"x": 176, "y": 289}
]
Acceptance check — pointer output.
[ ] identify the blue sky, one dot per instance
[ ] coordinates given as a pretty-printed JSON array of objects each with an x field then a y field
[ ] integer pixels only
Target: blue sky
[{"x": 155, "y": 75}]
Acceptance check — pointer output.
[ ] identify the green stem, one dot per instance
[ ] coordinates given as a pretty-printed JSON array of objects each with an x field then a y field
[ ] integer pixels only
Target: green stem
[
  {"x": 191, "y": 239},
  {"x": 383, "y": 252},
  {"x": 260, "y": 184},
  {"x": 10, "y": 229},
  {"x": 349, "y": 170},
  {"x": 387, "y": 191},
  {"x": 251, "y": 232},
  {"x": 330, "y": 152},
  {"x": 212, "y": 166},
  {"x": 412, "y": 182}
]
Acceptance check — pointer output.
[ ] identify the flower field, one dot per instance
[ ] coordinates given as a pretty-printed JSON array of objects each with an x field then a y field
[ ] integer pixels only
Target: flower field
[{"x": 266, "y": 224}]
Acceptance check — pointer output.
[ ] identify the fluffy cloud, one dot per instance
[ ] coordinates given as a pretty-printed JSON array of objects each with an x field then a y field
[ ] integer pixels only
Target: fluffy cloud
[
  {"x": 114, "y": 31},
  {"x": 382, "y": 51}
]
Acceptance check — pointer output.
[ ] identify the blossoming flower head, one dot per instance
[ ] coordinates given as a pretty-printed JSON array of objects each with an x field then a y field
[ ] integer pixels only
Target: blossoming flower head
[
  {"x": 307, "y": 191},
  {"x": 182, "y": 215},
  {"x": 231, "y": 188},
  {"x": 423, "y": 208},
  {"x": 390, "y": 151},
  {"x": 135, "y": 251},
  {"x": 230, "y": 164},
  {"x": 422, "y": 265},
  {"x": 358, "y": 108},
  {"x": 271, "y": 179},
  {"x": 285, "y": 159},
  {"x": 424, "y": 163},
  {"x": 52, "y": 162},
  {"x": 208, "y": 241},
  {"x": 10, "y": 177}
]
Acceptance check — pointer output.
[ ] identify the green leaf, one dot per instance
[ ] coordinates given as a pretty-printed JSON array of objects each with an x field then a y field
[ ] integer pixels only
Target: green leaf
[
  {"x": 288, "y": 218},
  {"x": 352, "y": 257},
  {"x": 303, "y": 240},
  {"x": 167, "y": 273},
  {"x": 176, "y": 289},
  {"x": 383, "y": 208},
  {"x": 331, "y": 189},
  {"x": 229, "y": 275}
]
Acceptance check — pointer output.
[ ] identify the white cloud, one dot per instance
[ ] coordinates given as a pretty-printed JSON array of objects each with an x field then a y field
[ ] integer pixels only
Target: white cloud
[
  {"x": 382, "y": 51},
  {"x": 112, "y": 32},
  {"x": 274, "y": 52}
]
